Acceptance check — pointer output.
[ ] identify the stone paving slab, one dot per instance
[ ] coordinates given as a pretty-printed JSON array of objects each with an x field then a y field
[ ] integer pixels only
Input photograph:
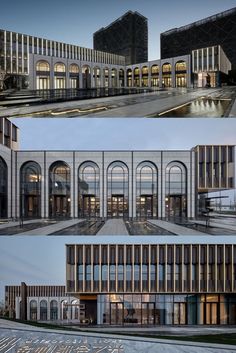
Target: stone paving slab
[
  {"x": 113, "y": 227},
  {"x": 30, "y": 339},
  {"x": 52, "y": 228},
  {"x": 175, "y": 228}
]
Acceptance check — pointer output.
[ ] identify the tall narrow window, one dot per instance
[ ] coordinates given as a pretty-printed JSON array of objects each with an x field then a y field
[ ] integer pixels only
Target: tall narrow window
[
  {"x": 89, "y": 193},
  {"x": 176, "y": 190},
  {"x": 118, "y": 190},
  {"x": 146, "y": 190},
  {"x": 59, "y": 190},
  {"x": 30, "y": 186}
]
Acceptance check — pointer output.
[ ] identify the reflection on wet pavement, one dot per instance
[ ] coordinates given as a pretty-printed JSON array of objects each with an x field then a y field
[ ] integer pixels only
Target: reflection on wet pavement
[
  {"x": 90, "y": 227},
  {"x": 25, "y": 227},
  {"x": 145, "y": 228},
  {"x": 200, "y": 107}
]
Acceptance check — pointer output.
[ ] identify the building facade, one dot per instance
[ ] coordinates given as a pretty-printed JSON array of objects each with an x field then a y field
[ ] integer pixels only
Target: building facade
[
  {"x": 127, "y": 36},
  {"x": 111, "y": 184},
  {"x": 153, "y": 281},
  {"x": 138, "y": 281},
  {"x": 42, "y": 303},
  {"x": 219, "y": 29},
  {"x": 121, "y": 59}
]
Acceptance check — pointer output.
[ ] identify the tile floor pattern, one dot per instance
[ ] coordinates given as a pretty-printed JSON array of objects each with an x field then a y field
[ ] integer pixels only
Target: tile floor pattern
[{"x": 17, "y": 341}]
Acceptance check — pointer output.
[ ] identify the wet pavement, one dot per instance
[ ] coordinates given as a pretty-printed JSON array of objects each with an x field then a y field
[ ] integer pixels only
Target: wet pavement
[
  {"x": 18, "y": 338},
  {"x": 145, "y": 228},
  {"x": 146, "y": 104},
  {"x": 90, "y": 227},
  {"x": 26, "y": 227}
]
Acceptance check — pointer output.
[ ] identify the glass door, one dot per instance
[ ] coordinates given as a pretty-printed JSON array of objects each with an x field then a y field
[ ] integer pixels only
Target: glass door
[
  {"x": 89, "y": 206},
  {"x": 211, "y": 313},
  {"x": 146, "y": 207},
  {"x": 117, "y": 206},
  {"x": 116, "y": 313},
  {"x": 148, "y": 313},
  {"x": 180, "y": 314}
]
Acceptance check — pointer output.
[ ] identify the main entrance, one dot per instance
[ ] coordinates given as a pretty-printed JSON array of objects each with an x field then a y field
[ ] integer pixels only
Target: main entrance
[
  {"x": 89, "y": 207},
  {"x": 31, "y": 206},
  {"x": 180, "y": 314},
  {"x": 176, "y": 205},
  {"x": 119, "y": 206},
  {"x": 146, "y": 206},
  {"x": 117, "y": 313},
  {"x": 148, "y": 314},
  {"x": 60, "y": 206}
]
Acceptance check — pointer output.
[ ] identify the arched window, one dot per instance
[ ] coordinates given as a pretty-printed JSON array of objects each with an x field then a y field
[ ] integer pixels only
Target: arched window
[
  {"x": 43, "y": 310},
  {"x": 30, "y": 186},
  {"x": 42, "y": 66},
  {"x": 59, "y": 67},
  {"x": 113, "y": 78},
  {"x": 74, "y": 76},
  {"x": 118, "y": 190},
  {"x": 86, "y": 75},
  {"x": 59, "y": 190},
  {"x": 136, "y": 77},
  {"x": 166, "y": 67},
  {"x": 88, "y": 186},
  {"x": 33, "y": 310},
  {"x": 74, "y": 69},
  {"x": 75, "y": 310},
  {"x": 166, "y": 75},
  {"x": 181, "y": 74},
  {"x": 146, "y": 190},
  {"x": 53, "y": 310},
  {"x": 145, "y": 71},
  {"x": 97, "y": 76},
  {"x": 59, "y": 76},
  {"x": 106, "y": 77},
  {"x": 121, "y": 78},
  {"x": 3, "y": 188},
  {"x": 155, "y": 76},
  {"x": 129, "y": 78},
  {"x": 176, "y": 190},
  {"x": 180, "y": 66},
  {"x": 64, "y": 310},
  {"x": 42, "y": 75}
]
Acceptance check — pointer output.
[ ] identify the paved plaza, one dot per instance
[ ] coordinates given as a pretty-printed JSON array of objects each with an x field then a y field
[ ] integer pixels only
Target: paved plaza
[
  {"x": 20, "y": 338},
  {"x": 218, "y": 225},
  {"x": 135, "y": 105}
]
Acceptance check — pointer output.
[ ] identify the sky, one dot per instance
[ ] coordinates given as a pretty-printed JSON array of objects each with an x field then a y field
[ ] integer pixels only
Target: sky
[
  {"x": 75, "y": 21},
  {"x": 122, "y": 134}
]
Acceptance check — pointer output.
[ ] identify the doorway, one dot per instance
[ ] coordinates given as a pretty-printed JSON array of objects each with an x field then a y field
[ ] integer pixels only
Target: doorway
[
  {"x": 176, "y": 206},
  {"x": 118, "y": 206},
  {"x": 31, "y": 206},
  {"x": 146, "y": 206},
  {"x": 89, "y": 207},
  {"x": 116, "y": 313},
  {"x": 60, "y": 206},
  {"x": 180, "y": 314},
  {"x": 148, "y": 313}
]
